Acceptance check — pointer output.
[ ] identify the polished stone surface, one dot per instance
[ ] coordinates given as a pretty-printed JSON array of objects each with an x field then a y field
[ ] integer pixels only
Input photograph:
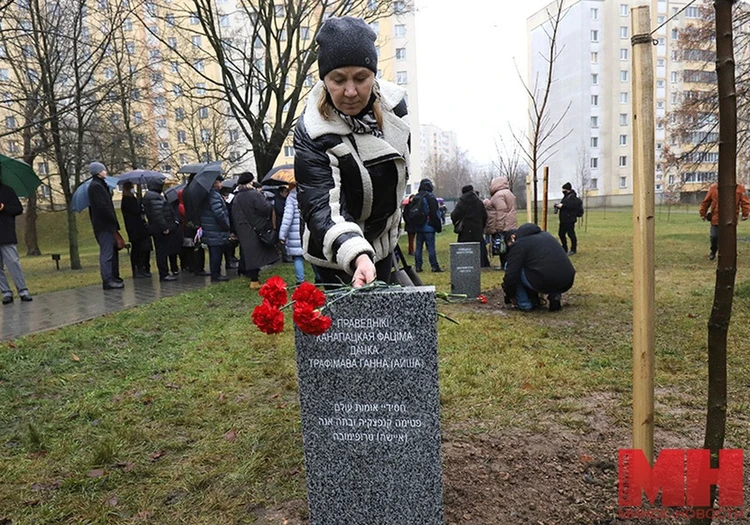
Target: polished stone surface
[
  {"x": 57, "y": 309},
  {"x": 371, "y": 411},
  {"x": 466, "y": 272}
]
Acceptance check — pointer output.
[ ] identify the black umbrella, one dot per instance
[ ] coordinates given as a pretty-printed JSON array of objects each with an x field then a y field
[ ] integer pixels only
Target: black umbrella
[
  {"x": 230, "y": 183},
  {"x": 197, "y": 190},
  {"x": 171, "y": 193},
  {"x": 192, "y": 168}
]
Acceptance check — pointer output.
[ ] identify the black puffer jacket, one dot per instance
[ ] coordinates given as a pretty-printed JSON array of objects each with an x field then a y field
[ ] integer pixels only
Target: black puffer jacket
[
  {"x": 214, "y": 219},
  {"x": 161, "y": 216},
  {"x": 546, "y": 265},
  {"x": 572, "y": 208},
  {"x": 349, "y": 186},
  {"x": 11, "y": 208},
  {"x": 473, "y": 216},
  {"x": 101, "y": 209}
]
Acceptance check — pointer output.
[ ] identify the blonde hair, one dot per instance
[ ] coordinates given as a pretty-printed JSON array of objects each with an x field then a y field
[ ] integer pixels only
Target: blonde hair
[{"x": 325, "y": 107}]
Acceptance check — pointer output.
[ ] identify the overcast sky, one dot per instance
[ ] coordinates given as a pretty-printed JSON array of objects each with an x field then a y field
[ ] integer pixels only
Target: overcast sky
[{"x": 465, "y": 66}]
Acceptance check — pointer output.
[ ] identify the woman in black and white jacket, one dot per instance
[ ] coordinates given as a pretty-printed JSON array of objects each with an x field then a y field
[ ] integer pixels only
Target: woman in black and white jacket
[{"x": 351, "y": 159}]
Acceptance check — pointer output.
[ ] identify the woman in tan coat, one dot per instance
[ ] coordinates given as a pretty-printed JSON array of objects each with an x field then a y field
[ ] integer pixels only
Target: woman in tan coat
[{"x": 501, "y": 209}]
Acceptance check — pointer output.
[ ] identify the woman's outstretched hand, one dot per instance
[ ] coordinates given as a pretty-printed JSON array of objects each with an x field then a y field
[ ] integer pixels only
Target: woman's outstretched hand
[{"x": 364, "y": 271}]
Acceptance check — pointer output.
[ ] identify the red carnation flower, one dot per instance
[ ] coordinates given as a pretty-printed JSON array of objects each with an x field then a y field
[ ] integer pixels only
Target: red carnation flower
[
  {"x": 309, "y": 319},
  {"x": 482, "y": 299},
  {"x": 274, "y": 291},
  {"x": 268, "y": 318},
  {"x": 309, "y": 293}
]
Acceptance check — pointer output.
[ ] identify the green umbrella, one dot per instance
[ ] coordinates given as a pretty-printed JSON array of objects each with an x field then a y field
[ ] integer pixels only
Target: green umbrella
[{"x": 19, "y": 176}]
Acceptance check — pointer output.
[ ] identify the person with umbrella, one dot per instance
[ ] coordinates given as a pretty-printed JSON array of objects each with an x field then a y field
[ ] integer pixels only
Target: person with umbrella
[
  {"x": 105, "y": 225},
  {"x": 163, "y": 225},
  {"x": 10, "y": 207},
  {"x": 351, "y": 158},
  {"x": 140, "y": 240}
]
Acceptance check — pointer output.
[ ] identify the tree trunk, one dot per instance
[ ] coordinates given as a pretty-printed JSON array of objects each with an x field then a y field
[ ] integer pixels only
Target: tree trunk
[
  {"x": 30, "y": 236},
  {"x": 721, "y": 312},
  {"x": 75, "y": 258}
]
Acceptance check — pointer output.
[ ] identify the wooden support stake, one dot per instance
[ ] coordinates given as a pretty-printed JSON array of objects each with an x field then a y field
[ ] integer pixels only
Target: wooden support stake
[
  {"x": 529, "y": 197},
  {"x": 545, "y": 193},
  {"x": 643, "y": 232}
]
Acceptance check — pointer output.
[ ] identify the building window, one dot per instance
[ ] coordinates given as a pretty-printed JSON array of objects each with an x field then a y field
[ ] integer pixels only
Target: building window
[
  {"x": 279, "y": 11},
  {"x": 205, "y": 135},
  {"x": 594, "y": 79},
  {"x": 203, "y": 112},
  {"x": 623, "y": 119},
  {"x": 659, "y": 104},
  {"x": 660, "y": 83},
  {"x": 234, "y": 135},
  {"x": 137, "y": 118},
  {"x": 594, "y": 57},
  {"x": 594, "y": 13},
  {"x": 181, "y": 137},
  {"x": 160, "y": 101},
  {"x": 130, "y": 48},
  {"x": 400, "y": 30},
  {"x": 177, "y": 90},
  {"x": 200, "y": 88},
  {"x": 194, "y": 20},
  {"x": 675, "y": 34},
  {"x": 401, "y": 53},
  {"x": 624, "y": 10},
  {"x": 623, "y": 182},
  {"x": 623, "y": 140},
  {"x": 224, "y": 20},
  {"x": 309, "y": 81},
  {"x": 623, "y": 97},
  {"x": 401, "y": 77},
  {"x": 183, "y": 158},
  {"x": 179, "y": 114},
  {"x": 161, "y": 123},
  {"x": 198, "y": 65},
  {"x": 623, "y": 76},
  {"x": 594, "y": 35},
  {"x": 594, "y": 162},
  {"x": 12, "y": 146},
  {"x": 594, "y": 142},
  {"x": 594, "y": 184},
  {"x": 692, "y": 12},
  {"x": 623, "y": 54},
  {"x": 127, "y": 25},
  {"x": 375, "y": 26},
  {"x": 42, "y": 168},
  {"x": 594, "y": 100},
  {"x": 196, "y": 40},
  {"x": 660, "y": 19},
  {"x": 623, "y": 161},
  {"x": 172, "y": 42},
  {"x": 10, "y": 122},
  {"x": 623, "y": 31},
  {"x": 674, "y": 76},
  {"x": 289, "y": 151},
  {"x": 163, "y": 145},
  {"x": 594, "y": 122}
]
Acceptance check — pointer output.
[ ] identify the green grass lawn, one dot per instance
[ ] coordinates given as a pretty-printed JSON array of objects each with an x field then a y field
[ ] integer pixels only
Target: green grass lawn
[{"x": 180, "y": 411}]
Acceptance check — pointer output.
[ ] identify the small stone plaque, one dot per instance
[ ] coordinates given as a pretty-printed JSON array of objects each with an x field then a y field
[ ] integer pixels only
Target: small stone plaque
[
  {"x": 371, "y": 411},
  {"x": 466, "y": 274}
]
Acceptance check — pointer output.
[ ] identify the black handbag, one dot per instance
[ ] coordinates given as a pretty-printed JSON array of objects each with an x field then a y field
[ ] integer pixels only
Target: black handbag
[{"x": 267, "y": 235}]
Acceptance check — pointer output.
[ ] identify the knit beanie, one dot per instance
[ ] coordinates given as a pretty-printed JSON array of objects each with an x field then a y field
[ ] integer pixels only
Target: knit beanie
[
  {"x": 245, "y": 178},
  {"x": 567, "y": 186},
  {"x": 95, "y": 168},
  {"x": 468, "y": 188},
  {"x": 346, "y": 41}
]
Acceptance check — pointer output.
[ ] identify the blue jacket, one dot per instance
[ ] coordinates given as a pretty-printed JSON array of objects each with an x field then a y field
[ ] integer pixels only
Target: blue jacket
[{"x": 214, "y": 217}]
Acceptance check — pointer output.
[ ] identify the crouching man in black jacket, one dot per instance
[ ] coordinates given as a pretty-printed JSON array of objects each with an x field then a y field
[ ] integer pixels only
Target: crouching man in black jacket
[{"x": 536, "y": 263}]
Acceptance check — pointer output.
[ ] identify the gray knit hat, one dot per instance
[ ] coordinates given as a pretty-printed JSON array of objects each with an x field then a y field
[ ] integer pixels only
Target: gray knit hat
[
  {"x": 95, "y": 168},
  {"x": 346, "y": 41}
]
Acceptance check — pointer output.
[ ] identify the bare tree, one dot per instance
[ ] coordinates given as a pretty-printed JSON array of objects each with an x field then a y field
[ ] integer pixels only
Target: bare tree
[
  {"x": 70, "y": 44},
  {"x": 508, "y": 163},
  {"x": 583, "y": 179},
  {"x": 266, "y": 61},
  {"x": 721, "y": 312},
  {"x": 538, "y": 145}
]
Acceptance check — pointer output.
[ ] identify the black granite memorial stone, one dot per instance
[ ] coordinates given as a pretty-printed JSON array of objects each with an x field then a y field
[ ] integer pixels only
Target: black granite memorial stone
[
  {"x": 466, "y": 272},
  {"x": 371, "y": 411}
]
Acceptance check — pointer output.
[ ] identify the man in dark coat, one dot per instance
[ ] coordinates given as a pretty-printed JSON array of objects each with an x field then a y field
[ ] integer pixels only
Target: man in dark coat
[
  {"x": 163, "y": 225},
  {"x": 536, "y": 264},
  {"x": 569, "y": 209},
  {"x": 105, "y": 224},
  {"x": 214, "y": 219},
  {"x": 469, "y": 218},
  {"x": 10, "y": 206},
  {"x": 140, "y": 240}
]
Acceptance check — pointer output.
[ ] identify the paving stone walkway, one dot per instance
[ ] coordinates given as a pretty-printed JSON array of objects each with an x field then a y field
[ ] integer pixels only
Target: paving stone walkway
[{"x": 57, "y": 309}]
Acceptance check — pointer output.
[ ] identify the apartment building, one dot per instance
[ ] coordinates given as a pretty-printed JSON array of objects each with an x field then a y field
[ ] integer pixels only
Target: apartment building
[
  {"x": 162, "y": 102},
  {"x": 592, "y": 96}
]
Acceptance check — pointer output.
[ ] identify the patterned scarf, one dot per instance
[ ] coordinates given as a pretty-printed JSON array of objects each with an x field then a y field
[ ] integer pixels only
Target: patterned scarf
[{"x": 365, "y": 122}]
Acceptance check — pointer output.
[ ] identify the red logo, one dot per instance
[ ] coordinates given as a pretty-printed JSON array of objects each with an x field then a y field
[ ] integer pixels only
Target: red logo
[{"x": 684, "y": 477}]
